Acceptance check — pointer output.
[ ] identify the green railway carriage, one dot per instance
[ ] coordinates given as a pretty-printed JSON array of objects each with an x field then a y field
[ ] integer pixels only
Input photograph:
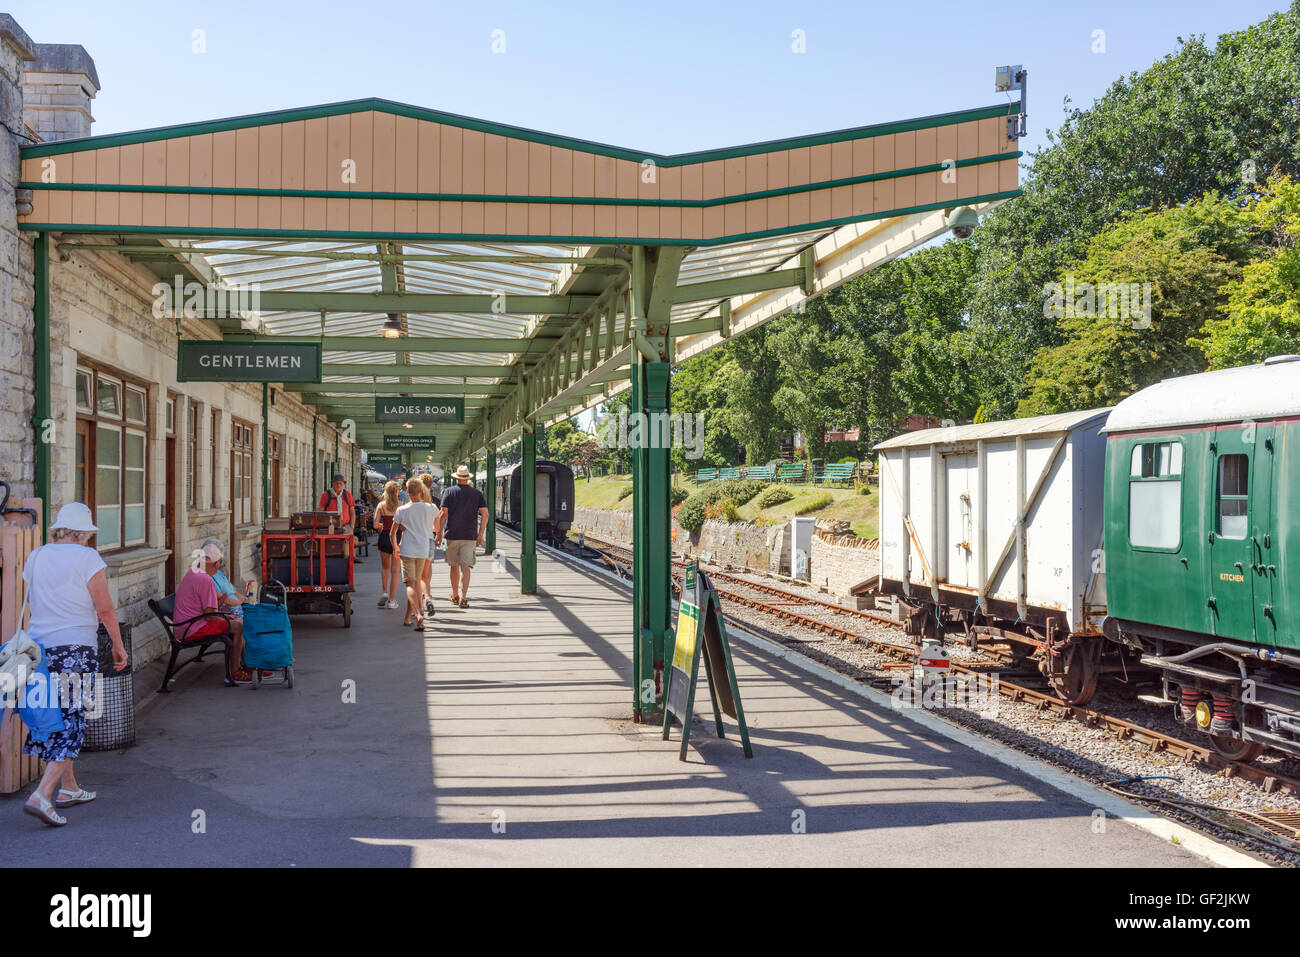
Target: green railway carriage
[{"x": 1202, "y": 548}]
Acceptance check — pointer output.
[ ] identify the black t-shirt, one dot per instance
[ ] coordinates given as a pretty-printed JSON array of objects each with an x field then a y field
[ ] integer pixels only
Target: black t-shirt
[{"x": 462, "y": 503}]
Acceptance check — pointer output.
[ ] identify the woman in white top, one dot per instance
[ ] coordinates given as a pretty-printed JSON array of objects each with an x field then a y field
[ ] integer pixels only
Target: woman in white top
[{"x": 68, "y": 595}]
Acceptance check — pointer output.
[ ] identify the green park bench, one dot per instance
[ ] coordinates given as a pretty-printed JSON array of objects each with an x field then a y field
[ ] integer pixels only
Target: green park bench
[
  {"x": 790, "y": 472},
  {"x": 706, "y": 475},
  {"x": 731, "y": 473},
  {"x": 838, "y": 472},
  {"x": 763, "y": 473}
]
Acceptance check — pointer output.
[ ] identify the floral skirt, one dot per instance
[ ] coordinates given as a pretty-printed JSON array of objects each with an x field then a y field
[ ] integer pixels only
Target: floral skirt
[{"x": 76, "y": 665}]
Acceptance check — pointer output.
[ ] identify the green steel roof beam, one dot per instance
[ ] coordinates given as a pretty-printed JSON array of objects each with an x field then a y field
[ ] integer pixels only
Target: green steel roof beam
[{"x": 398, "y": 388}]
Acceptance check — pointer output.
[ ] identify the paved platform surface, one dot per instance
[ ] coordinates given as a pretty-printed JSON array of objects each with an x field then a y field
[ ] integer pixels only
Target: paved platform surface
[{"x": 514, "y": 712}]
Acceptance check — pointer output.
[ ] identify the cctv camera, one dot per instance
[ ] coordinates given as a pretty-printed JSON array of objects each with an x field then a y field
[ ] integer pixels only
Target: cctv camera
[{"x": 962, "y": 221}]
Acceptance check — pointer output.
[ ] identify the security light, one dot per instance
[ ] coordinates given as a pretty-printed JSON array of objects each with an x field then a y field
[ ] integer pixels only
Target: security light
[{"x": 392, "y": 327}]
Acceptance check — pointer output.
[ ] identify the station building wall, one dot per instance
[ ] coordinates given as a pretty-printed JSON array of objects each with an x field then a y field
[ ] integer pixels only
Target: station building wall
[{"x": 153, "y": 457}]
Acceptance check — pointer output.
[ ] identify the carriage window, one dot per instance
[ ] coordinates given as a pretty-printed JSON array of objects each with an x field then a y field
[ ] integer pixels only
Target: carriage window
[
  {"x": 1155, "y": 495},
  {"x": 1234, "y": 474}
]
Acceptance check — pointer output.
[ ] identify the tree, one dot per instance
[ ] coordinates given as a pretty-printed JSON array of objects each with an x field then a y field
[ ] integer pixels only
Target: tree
[
  {"x": 1262, "y": 311},
  {"x": 750, "y": 381},
  {"x": 1132, "y": 307},
  {"x": 696, "y": 387},
  {"x": 1199, "y": 119}
]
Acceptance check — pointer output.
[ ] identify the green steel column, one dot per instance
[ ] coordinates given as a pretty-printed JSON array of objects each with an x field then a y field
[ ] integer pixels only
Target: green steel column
[
  {"x": 266, "y": 450},
  {"x": 658, "y": 550},
  {"x": 41, "y": 341},
  {"x": 652, "y": 555},
  {"x": 334, "y": 466},
  {"x": 473, "y": 471},
  {"x": 489, "y": 493},
  {"x": 528, "y": 514},
  {"x": 315, "y": 457},
  {"x": 643, "y": 695}
]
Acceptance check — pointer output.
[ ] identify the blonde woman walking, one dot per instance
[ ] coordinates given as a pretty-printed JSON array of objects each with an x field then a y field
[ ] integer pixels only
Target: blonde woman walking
[
  {"x": 426, "y": 583},
  {"x": 68, "y": 595},
  {"x": 390, "y": 562}
]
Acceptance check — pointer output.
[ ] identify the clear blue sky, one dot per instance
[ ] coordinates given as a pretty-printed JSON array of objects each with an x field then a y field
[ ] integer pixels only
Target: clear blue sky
[{"x": 663, "y": 76}]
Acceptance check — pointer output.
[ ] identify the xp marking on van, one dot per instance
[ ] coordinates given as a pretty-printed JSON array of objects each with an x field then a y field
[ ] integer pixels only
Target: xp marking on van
[{"x": 76, "y": 910}]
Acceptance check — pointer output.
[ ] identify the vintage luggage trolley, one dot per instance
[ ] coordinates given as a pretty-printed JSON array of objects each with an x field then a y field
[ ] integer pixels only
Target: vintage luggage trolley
[{"x": 313, "y": 561}]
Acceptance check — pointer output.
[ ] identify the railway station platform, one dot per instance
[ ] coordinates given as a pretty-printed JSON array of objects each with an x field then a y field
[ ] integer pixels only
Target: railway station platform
[{"x": 501, "y": 737}]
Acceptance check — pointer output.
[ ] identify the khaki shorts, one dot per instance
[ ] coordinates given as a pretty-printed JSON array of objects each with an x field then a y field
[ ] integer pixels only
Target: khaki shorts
[
  {"x": 459, "y": 551},
  {"x": 413, "y": 569}
]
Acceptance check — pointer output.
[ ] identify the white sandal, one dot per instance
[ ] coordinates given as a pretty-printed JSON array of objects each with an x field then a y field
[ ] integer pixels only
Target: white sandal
[
  {"x": 44, "y": 810},
  {"x": 79, "y": 796}
]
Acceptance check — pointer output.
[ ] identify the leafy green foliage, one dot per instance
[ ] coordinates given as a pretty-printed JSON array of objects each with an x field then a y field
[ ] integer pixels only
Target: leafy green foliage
[
  {"x": 692, "y": 514},
  {"x": 1263, "y": 306},
  {"x": 677, "y": 494},
  {"x": 774, "y": 495},
  {"x": 1186, "y": 254}
]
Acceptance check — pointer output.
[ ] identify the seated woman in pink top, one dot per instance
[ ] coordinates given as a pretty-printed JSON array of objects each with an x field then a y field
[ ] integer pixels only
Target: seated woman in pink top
[{"x": 197, "y": 595}]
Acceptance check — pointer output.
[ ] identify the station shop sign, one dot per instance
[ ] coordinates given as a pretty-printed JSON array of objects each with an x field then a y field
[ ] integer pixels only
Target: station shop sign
[
  {"x": 410, "y": 443},
  {"x": 205, "y": 360},
  {"x": 414, "y": 409},
  {"x": 384, "y": 458}
]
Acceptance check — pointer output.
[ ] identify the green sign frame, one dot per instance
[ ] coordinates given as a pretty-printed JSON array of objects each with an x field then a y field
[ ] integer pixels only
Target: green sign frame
[
  {"x": 700, "y": 628},
  {"x": 410, "y": 443},
  {"x": 381, "y": 458},
  {"x": 448, "y": 409},
  {"x": 214, "y": 360}
]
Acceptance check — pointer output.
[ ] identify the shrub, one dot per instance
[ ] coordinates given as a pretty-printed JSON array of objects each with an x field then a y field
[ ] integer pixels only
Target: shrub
[
  {"x": 846, "y": 461},
  {"x": 774, "y": 495},
  {"x": 691, "y": 515},
  {"x": 813, "y": 504},
  {"x": 677, "y": 494},
  {"x": 624, "y": 493},
  {"x": 730, "y": 511},
  {"x": 696, "y": 508}
]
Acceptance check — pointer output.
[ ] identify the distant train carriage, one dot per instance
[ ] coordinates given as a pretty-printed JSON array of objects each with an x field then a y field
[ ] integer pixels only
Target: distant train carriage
[
  {"x": 554, "y": 498},
  {"x": 1203, "y": 548}
]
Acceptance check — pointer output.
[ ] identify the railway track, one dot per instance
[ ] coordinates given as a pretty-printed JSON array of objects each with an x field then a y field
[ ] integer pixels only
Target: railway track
[{"x": 784, "y": 603}]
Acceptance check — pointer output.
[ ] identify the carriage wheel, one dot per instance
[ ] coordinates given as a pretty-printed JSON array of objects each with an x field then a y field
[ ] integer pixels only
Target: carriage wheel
[
  {"x": 1235, "y": 749},
  {"x": 1078, "y": 683}
]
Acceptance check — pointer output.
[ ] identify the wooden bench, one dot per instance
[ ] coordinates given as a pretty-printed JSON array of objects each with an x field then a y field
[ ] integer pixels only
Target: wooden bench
[
  {"x": 731, "y": 473},
  {"x": 706, "y": 475},
  {"x": 790, "y": 472},
  {"x": 838, "y": 472},
  {"x": 763, "y": 473},
  {"x": 164, "y": 610}
]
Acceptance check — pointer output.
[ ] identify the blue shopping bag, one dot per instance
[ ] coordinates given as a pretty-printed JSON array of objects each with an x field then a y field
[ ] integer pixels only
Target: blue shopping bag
[{"x": 268, "y": 639}]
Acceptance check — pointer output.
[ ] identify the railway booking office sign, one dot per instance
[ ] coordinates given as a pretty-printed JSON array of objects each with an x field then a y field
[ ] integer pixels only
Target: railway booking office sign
[
  {"x": 407, "y": 409},
  {"x": 409, "y": 443},
  {"x": 206, "y": 360},
  {"x": 700, "y": 628}
]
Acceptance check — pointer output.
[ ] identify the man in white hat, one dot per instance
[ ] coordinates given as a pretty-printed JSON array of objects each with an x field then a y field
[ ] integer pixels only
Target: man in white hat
[
  {"x": 461, "y": 523},
  {"x": 197, "y": 596}
]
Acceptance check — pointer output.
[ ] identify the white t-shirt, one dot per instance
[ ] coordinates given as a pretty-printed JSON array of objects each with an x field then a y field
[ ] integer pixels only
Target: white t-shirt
[
  {"x": 416, "y": 519},
  {"x": 62, "y": 611}
]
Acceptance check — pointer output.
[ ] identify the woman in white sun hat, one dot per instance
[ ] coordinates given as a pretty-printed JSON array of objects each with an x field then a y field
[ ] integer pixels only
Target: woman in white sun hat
[{"x": 68, "y": 595}]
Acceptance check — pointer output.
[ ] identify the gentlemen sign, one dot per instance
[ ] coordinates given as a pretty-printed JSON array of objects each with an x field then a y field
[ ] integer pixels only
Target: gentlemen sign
[
  {"x": 389, "y": 409},
  {"x": 417, "y": 443},
  {"x": 205, "y": 360}
]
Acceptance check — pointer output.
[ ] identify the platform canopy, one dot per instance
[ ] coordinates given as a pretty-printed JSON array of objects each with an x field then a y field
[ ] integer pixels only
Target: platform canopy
[{"x": 521, "y": 270}]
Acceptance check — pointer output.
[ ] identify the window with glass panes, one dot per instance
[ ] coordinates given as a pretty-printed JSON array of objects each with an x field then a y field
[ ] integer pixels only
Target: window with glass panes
[
  {"x": 241, "y": 471},
  {"x": 111, "y": 440}
]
